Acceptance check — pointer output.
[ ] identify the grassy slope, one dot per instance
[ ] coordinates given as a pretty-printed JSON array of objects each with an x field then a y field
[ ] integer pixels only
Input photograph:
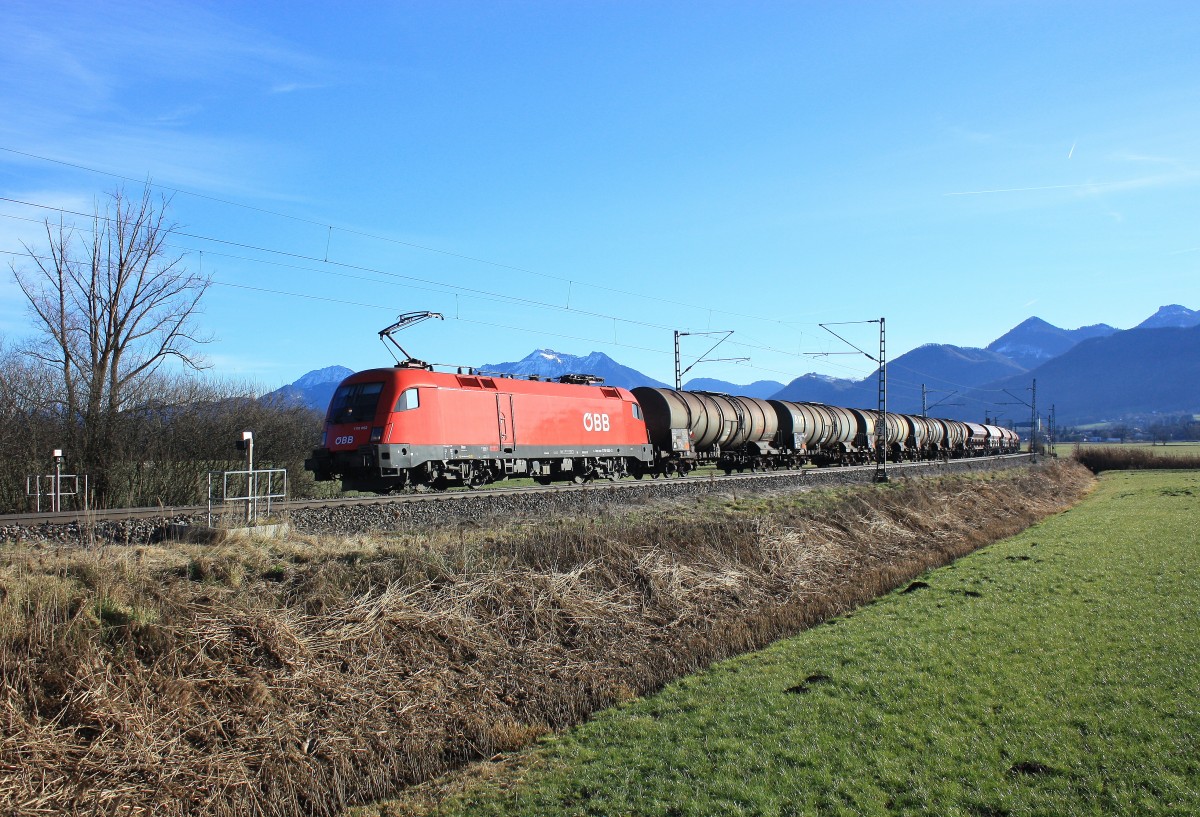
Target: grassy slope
[{"x": 1057, "y": 672}]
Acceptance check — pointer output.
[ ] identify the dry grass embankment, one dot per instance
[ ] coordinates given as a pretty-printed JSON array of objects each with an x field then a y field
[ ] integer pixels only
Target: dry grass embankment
[
  {"x": 283, "y": 678},
  {"x": 1128, "y": 458}
]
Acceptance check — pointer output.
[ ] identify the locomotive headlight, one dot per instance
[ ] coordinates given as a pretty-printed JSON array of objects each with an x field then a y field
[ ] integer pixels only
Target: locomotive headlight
[{"x": 377, "y": 434}]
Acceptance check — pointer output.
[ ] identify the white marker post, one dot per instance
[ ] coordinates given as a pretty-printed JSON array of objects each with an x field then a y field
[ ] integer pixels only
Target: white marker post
[
  {"x": 246, "y": 443},
  {"x": 56, "y": 498}
]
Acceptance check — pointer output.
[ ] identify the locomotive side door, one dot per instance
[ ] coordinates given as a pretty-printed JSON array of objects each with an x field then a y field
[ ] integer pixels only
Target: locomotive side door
[{"x": 504, "y": 415}]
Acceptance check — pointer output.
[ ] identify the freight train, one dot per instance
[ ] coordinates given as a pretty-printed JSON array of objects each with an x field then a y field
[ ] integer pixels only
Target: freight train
[{"x": 410, "y": 427}]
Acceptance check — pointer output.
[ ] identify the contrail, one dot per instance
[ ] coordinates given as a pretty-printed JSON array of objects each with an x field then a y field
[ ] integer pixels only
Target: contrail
[{"x": 1072, "y": 151}]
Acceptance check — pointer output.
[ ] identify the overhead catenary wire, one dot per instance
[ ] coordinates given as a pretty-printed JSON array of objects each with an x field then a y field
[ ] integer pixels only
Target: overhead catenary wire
[
  {"x": 439, "y": 287},
  {"x": 392, "y": 308},
  {"x": 470, "y": 291},
  {"x": 425, "y": 248},
  {"x": 482, "y": 295},
  {"x": 329, "y": 228}
]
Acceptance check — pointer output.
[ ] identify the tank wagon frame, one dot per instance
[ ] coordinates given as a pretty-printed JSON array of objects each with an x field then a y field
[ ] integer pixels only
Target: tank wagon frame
[{"x": 411, "y": 428}]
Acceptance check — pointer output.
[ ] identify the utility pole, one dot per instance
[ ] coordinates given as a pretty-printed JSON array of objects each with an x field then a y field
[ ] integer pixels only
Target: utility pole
[
  {"x": 702, "y": 359},
  {"x": 1033, "y": 415},
  {"x": 881, "y": 428},
  {"x": 881, "y": 424},
  {"x": 1033, "y": 420},
  {"x": 678, "y": 374},
  {"x": 1053, "y": 424},
  {"x": 925, "y": 407}
]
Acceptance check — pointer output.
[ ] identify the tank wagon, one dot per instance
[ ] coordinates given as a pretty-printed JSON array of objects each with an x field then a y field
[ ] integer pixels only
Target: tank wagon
[
  {"x": 688, "y": 429},
  {"x": 409, "y": 427}
]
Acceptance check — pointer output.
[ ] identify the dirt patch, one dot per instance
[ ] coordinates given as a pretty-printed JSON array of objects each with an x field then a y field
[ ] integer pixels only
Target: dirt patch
[
  {"x": 304, "y": 676},
  {"x": 808, "y": 683},
  {"x": 1031, "y": 768}
]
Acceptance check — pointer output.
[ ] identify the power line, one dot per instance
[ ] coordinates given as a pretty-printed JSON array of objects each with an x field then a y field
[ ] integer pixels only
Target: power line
[
  {"x": 471, "y": 291},
  {"x": 862, "y": 373},
  {"x": 441, "y": 288},
  {"x": 375, "y": 237},
  {"x": 327, "y": 299}
]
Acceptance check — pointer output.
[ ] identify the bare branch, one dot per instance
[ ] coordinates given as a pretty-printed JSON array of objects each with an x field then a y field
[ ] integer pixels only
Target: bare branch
[{"x": 110, "y": 307}]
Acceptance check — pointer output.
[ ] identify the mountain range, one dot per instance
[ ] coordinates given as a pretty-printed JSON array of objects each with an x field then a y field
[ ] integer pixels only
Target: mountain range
[
  {"x": 1090, "y": 374},
  {"x": 550, "y": 364}
]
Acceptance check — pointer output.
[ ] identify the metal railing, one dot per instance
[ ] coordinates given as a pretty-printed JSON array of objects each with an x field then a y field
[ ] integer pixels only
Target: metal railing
[
  {"x": 257, "y": 488},
  {"x": 54, "y": 488}
]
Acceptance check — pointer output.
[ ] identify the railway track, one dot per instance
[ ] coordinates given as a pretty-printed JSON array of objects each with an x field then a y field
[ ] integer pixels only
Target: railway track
[{"x": 849, "y": 474}]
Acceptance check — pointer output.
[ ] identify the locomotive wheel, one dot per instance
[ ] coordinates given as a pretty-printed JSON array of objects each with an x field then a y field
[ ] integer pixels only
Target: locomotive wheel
[
  {"x": 578, "y": 479},
  {"x": 542, "y": 480},
  {"x": 477, "y": 479}
]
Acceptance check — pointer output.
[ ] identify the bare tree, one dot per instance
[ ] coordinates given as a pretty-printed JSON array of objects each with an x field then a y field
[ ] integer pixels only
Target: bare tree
[{"x": 110, "y": 307}]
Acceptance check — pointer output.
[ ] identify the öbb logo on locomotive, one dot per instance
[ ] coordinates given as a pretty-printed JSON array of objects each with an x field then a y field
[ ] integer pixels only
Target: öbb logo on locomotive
[
  {"x": 595, "y": 422},
  {"x": 426, "y": 429}
]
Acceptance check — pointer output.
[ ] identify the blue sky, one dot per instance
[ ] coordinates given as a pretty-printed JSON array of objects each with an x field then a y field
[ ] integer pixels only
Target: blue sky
[{"x": 591, "y": 175}]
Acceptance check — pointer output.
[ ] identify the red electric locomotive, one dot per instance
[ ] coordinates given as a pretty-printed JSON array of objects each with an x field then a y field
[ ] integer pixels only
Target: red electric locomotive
[{"x": 410, "y": 426}]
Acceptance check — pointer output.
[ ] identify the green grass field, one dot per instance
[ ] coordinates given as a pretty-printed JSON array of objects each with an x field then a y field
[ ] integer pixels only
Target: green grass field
[{"x": 1054, "y": 673}]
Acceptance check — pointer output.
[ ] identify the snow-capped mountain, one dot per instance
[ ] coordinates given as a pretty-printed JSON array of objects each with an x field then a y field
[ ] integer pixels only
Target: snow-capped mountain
[
  {"x": 1172, "y": 315},
  {"x": 759, "y": 388},
  {"x": 313, "y": 389},
  {"x": 550, "y": 364},
  {"x": 1034, "y": 341}
]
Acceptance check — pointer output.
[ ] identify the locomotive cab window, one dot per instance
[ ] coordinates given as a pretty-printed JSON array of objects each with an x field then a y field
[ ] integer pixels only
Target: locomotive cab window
[
  {"x": 355, "y": 402},
  {"x": 408, "y": 400},
  {"x": 637, "y": 411}
]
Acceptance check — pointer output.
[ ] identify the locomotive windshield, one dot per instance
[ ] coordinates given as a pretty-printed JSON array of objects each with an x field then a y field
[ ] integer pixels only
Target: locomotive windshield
[{"x": 355, "y": 403}]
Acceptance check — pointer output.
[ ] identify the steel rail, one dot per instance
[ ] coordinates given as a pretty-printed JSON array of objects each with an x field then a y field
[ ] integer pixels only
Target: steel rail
[{"x": 173, "y": 511}]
